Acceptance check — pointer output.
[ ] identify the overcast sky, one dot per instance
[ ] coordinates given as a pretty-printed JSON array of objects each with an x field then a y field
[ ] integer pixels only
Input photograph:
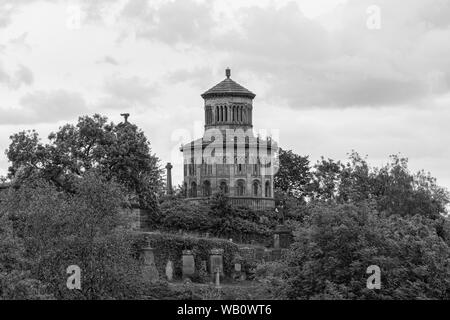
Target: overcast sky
[{"x": 326, "y": 74}]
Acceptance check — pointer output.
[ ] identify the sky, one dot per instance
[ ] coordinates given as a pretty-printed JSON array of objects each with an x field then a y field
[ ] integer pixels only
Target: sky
[{"x": 330, "y": 76}]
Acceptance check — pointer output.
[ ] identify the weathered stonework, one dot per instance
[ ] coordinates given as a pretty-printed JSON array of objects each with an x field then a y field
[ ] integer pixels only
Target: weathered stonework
[{"x": 241, "y": 165}]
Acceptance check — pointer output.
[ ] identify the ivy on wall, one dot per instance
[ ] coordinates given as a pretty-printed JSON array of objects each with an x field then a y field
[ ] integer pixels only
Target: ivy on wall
[{"x": 170, "y": 247}]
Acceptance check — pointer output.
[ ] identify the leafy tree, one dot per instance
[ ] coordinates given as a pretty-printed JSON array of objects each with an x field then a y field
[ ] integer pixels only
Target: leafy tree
[
  {"x": 88, "y": 228},
  {"x": 293, "y": 176},
  {"x": 338, "y": 242},
  {"x": 393, "y": 188},
  {"x": 16, "y": 281},
  {"x": 400, "y": 192},
  {"x": 326, "y": 178},
  {"x": 120, "y": 152}
]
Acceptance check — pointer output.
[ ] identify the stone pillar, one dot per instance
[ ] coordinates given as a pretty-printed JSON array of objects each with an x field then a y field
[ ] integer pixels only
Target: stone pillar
[
  {"x": 188, "y": 264},
  {"x": 149, "y": 270},
  {"x": 169, "y": 189},
  {"x": 216, "y": 261}
]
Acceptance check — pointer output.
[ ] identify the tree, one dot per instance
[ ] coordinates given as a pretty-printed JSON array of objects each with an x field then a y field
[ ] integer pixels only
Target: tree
[
  {"x": 293, "y": 175},
  {"x": 120, "y": 152},
  {"x": 16, "y": 281},
  {"x": 88, "y": 228},
  {"x": 393, "y": 188},
  {"x": 334, "y": 247},
  {"x": 326, "y": 178}
]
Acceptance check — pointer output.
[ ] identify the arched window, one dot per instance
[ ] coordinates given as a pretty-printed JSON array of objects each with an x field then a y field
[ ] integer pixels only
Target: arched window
[
  {"x": 256, "y": 188},
  {"x": 240, "y": 188},
  {"x": 193, "y": 193},
  {"x": 267, "y": 189},
  {"x": 224, "y": 187},
  {"x": 206, "y": 188}
]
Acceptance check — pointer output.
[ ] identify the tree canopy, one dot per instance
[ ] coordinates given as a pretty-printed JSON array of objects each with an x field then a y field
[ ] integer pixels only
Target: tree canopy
[
  {"x": 337, "y": 243},
  {"x": 118, "y": 151}
]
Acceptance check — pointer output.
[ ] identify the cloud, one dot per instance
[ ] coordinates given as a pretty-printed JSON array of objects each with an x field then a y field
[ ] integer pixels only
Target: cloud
[
  {"x": 21, "y": 76},
  {"x": 20, "y": 42},
  {"x": 306, "y": 64},
  {"x": 45, "y": 107},
  {"x": 197, "y": 76},
  {"x": 108, "y": 60},
  {"x": 179, "y": 21},
  {"x": 6, "y": 11},
  {"x": 24, "y": 76},
  {"x": 129, "y": 91}
]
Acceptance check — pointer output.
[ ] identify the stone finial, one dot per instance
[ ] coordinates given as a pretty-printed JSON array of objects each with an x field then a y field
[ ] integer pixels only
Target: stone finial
[
  {"x": 125, "y": 116},
  {"x": 228, "y": 72}
]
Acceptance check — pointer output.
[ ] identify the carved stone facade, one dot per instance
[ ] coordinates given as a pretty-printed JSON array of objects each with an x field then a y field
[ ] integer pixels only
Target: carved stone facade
[{"x": 229, "y": 157}]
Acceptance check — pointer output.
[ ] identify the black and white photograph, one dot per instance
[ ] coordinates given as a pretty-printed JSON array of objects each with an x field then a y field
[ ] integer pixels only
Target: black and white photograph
[{"x": 226, "y": 156}]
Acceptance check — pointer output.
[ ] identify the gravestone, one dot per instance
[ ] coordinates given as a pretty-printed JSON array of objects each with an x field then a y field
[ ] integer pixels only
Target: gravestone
[
  {"x": 149, "y": 270},
  {"x": 259, "y": 253},
  {"x": 237, "y": 267},
  {"x": 169, "y": 270},
  {"x": 276, "y": 241},
  {"x": 216, "y": 261},
  {"x": 284, "y": 236},
  {"x": 247, "y": 253},
  {"x": 188, "y": 264}
]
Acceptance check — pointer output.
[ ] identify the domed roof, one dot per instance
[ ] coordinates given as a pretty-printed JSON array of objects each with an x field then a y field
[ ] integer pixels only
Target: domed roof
[{"x": 228, "y": 87}]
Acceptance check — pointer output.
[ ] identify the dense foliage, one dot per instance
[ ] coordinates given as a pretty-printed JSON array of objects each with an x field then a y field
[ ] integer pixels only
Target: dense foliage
[
  {"x": 393, "y": 188},
  {"x": 337, "y": 243},
  {"x": 217, "y": 218},
  {"x": 87, "y": 228},
  {"x": 119, "y": 151},
  {"x": 356, "y": 216},
  {"x": 69, "y": 199}
]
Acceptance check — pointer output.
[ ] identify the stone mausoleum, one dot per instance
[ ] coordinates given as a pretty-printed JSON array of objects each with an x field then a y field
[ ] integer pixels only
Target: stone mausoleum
[{"x": 229, "y": 157}]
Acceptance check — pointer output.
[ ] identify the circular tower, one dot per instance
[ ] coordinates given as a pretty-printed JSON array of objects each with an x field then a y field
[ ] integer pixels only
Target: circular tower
[{"x": 242, "y": 165}]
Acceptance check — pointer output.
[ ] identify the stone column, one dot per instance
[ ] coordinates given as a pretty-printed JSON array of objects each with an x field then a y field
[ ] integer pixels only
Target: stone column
[
  {"x": 188, "y": 264},
  {"x": 169, "y": 189}
]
